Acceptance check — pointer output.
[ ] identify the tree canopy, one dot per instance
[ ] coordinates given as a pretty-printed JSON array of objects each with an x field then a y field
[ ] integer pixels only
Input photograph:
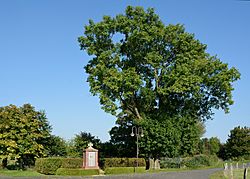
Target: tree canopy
[
  {"x": 141, "y": 68},
  {"x": 156, "y": 76},
  {"x": 80, "y": 142},
  {"x": 22, "y": 132},
  {"x": 238, "y": 143}
]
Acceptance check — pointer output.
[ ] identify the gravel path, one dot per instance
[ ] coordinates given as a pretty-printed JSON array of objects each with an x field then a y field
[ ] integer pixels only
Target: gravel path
[{"x": 193, "y": 174}]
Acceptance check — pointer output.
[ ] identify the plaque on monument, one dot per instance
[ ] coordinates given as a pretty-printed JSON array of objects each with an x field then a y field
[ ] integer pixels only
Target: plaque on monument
[{"x": 90, "y": 158}]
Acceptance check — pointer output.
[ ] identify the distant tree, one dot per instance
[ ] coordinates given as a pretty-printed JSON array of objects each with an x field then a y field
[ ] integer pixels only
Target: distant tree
[
  {"x": 55, "y": 146},
  {"x": 80, "y": 142},
  {"x": 22, "y": 130},
  {"x": 147, "y": 72},
  {"x": 238, "y": 143},
  {"x": 209, "y": 146},
  {"x": 215, "y": 145}
]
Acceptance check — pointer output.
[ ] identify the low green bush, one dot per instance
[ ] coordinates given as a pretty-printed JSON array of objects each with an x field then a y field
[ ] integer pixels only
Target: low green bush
[
  {"x": 76, "y": 172},
  {"x": 124, "y": 170},
  {"x": 190, "y": 162},
  {"x": 200, "y": 161},
  {"x": 171, "y": 162},
  {"x": 48, "y": 166},
  {"x": 72, "y": 163},
  {"x": 122, "y": 162}
]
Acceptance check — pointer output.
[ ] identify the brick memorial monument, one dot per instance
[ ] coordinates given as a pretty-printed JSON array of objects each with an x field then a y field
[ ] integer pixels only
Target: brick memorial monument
[{"x": 90, "y": 158}]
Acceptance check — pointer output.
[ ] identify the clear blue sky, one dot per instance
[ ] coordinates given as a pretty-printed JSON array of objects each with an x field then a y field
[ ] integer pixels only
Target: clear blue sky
[{"x": 41, "y": 62}]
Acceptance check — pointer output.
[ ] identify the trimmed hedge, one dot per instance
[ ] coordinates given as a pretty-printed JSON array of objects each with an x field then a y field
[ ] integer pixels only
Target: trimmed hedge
[
  {"x": 122, "y": 162},
  {"x": 76, "y": 172},
  {"x": 124, "y": 170},
  {"x": 49, "y": 166},
  {"x": 72, "y": 163},
  {"x": 190, "y": 162}
]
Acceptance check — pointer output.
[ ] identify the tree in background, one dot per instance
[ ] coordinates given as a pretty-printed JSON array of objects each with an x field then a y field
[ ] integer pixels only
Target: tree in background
[
  {"x": 80, "y": 142},
  {"x": 55, "y": 146},
  {"x": 154, "y": 74},
  {"x": 209, "y": 146},
  {"x": 22, "y": 130},
  {"x": 238, "y": 143}
]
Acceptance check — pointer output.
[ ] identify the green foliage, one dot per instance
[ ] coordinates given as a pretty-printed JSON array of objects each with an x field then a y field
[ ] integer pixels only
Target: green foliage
[
  {"x": 76, "y": 172},
  {"x": 124, "y": 170},
  {"x": 22, "y": 132},
  {"x": 214, "y": 145},
  {"x": 142, "y": 67},
  {"x": 80, "y": 142},
  {"x": 200, "y": 161},
  {"x": 122, "y": 162},
  {"x": 209, "y": 146},
  {"x": 169, "y": 137},
  {"x": 72, "y": 163},
  {"x": 171, "y": 162},
  {"x": 143, "y": 70},
  {"x": 190, "y": 162},
  {"x": 238, "y": 143},
  {"x": 55, "y": 146},
  {"x": 48, "y": 166}
]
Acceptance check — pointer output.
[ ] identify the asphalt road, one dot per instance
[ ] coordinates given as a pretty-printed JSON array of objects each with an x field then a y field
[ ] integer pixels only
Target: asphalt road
[{"x": 193, "y": 174}]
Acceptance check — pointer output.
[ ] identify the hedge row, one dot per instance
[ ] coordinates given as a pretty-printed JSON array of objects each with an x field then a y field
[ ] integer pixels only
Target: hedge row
[
  {"x": 190, "y": 162},
  {"x": 124, "y": 170},
  {"x": 122, "y": 162},
  {"x": 49, "y": 166},
  {"x": 76, "y": 172}
]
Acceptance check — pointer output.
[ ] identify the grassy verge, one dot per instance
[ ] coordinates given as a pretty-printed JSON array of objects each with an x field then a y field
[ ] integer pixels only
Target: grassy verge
[
  {"x": 19, "y": 173},
  {"x": 237, "y": 174}
]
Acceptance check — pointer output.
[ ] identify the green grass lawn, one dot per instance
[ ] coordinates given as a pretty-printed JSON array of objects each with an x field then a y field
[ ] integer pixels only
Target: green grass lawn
[
  {"x": 19, "y": 173},
  {"x": 237, "y": 174}
]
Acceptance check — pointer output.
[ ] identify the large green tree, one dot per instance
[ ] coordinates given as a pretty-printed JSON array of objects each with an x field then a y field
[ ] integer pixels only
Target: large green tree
[
  {"x": 142, "y": 69},
  {"x": 238, "y": 143},
  {"x": 22, "y": 133}
]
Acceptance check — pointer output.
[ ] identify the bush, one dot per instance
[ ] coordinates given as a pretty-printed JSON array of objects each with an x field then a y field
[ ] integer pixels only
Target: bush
[
  {"x": 124, "y": 170},
  {"x": 190, "y": 162},
  {"x": 171, "y": 162},
  {"x": 48, "y": 166},
  {"x": 76, "y": 172},
  {"x": 200, "y": 161},
  {"x": 72, "y": 163},
  {"x": 122, "y": 162}
]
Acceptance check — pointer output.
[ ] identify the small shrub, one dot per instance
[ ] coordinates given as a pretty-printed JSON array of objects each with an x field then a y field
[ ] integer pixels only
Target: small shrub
[
  {"x": 76, "y": 172},
  {"x": 171, "y": 162},
  {"x": 200, "y": 161},
  {"x": 190, "y": 162},
  {"x": 48, "y": 166},
  {"x": 72, "y": 163},
  {"x": 123, "y": 162},
  {"x": 124, "y": 170}
]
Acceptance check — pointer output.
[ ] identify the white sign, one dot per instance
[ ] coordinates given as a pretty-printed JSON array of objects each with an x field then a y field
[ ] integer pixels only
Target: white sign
[{"x": 92, "y": 159}]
